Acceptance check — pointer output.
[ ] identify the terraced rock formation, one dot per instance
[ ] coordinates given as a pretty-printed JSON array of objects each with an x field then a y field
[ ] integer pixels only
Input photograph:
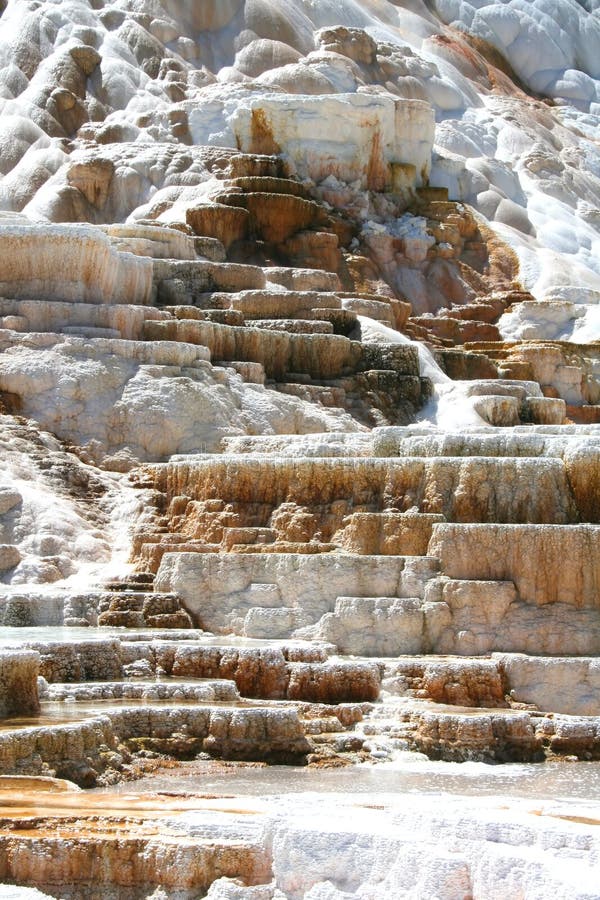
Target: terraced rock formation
[{"x": 299, "y": 437}]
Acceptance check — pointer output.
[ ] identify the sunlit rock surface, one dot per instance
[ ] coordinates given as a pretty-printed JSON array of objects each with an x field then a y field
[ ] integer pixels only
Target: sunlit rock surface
[{"x": 299, "y": 446}]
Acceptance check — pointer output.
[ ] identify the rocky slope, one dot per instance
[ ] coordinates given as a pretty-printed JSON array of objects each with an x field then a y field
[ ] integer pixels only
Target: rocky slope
[{"x": 300, "y": 425}]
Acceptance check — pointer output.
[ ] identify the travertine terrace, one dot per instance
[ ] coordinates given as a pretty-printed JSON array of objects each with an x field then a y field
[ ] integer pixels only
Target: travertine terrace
[{"x": 299, "y": 441}]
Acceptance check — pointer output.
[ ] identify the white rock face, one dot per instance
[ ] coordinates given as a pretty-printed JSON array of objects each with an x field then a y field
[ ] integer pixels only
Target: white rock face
[
  {"x": 568, "y": 685},
  {"x": 550, "y": 48},
  {"x": 352, "y": 137},
  {"x": 144, "y": 401},
  {"x": 225, "y": 591},
  {"x": 53, "y": 532}
]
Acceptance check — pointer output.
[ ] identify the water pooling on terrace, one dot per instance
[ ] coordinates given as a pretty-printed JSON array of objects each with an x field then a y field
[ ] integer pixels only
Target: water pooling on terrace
[{"x": 407, "y": 773}]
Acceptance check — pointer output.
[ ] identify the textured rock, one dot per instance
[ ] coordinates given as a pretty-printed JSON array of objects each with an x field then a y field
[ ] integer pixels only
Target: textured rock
[
  {"x": 547, "y": 564},
  {"x": 225, "y": 223},
  {"x": 115, "y": 382},
  {"x": 221, "y": 591},
  {"x": 18, "y": 683},
  {"x": 468, "y": 682},
  {"x": 69, "y": 263},
  {"x": 451, "y": 487},
  {"x": 351, "y": 136},
  {"x": 561, "y": 685},
  {"x": 9, "y": 557}
]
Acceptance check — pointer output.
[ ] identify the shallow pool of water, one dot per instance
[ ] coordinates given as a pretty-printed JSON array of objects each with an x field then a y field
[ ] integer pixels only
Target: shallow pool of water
[
  {"x": 17, "y": 636},
  {"x": 411, "y": 774}
]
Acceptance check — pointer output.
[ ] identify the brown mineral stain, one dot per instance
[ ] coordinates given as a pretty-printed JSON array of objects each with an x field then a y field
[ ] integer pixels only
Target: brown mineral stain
[
  {"x": 378, "y": 172},
  {"x": 261, "y": 135}
]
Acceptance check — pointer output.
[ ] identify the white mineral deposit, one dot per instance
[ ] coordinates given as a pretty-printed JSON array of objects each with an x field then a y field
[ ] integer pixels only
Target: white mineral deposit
[{"x": 299, "y": 449}]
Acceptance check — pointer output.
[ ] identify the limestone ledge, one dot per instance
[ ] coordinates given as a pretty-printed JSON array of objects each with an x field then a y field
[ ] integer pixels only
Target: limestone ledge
[
  {"x": 82, "y": 750},
  {"x": 121, "y": 321},
  {"x": 567, "y": 685},
  {"x": 69, "y": 262},
  {"x": 530, "y": 441},
  {"x": 426, "y": 440},
  {"x": 226, "y": 592},
  {"x": 516, "y": 489},
  {"x": 85, "y": 750},
  {"x": 389, "y": 605},
  {"x": 302, "y": 673},
  {"x": 272, "y": 848},
  {"x": 547, "y": 563},
  {"x": 324, "y": 356},
  {"x": 92, "y": 692},
  {"x": 501, "y": 736},
  {"x": 564, "y": 685}
]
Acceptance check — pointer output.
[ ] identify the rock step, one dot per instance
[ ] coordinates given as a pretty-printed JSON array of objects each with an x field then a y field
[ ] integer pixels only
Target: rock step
[
  {"x": 458, "y": 331},
  {"x": 140, "y": 609},
  {"x": 332, "y": 397},
  {"x": 210, "y": 248},
  {"x": 253, "y": 185},
  {"x": 79, "y": 319},
  {"x": 90, "y": 332},
  {"x": 298, "y": 279},
  {"x": 585, "y": 415},
  {"x": 379, "y": 484},
  {"x": 310, "y": 583},
  {"x": 135, "y": 596},
  {"x": 149, "y": 238},
  {"x": 526, "y": 442},
  {"x": 204, "y": 691},
  {"x": 568, "y": 685},
  {"x": 461, "y": 365},
  {"x": 77, "y": 750},
  {"x": 140, "y": 619},
  {"x": 22, "y": 610},
  {"x": 233, "y": 536},
  {"x": 260, "y": 672},
  {"x": 183, "y": 866},
  {"x": 375, "y": 626},
  {"x": 322, "y": 356},
  {"x": 274, "y": 217},
  {"x": 343, "y": 321},
  {"x": 144, "y": 586},
  {"x": 497, "y": 735},
  {"x": 570, "y": 552},
  {"x": 401, "y": 309},
  {"x": 329, "y": 444},
  {"x": 273, "y": 305},
  {"x": 488, "y": 310},
  {"x": 487, "y": 600},
  {"x": 151, "y": 551},
  {"x": 502, "y": 411},
  {"x": 220, "y": 316},
  {"x": 295, "y": 326},
  {"x": 176, "y": 281},
  {"x": 379, "y": 310},
  {"x": 300, "y": 547}
]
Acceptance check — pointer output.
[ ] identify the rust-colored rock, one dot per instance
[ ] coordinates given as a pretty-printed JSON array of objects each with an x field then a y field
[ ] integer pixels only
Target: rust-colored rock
[{"x": 225, "y": 223}]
